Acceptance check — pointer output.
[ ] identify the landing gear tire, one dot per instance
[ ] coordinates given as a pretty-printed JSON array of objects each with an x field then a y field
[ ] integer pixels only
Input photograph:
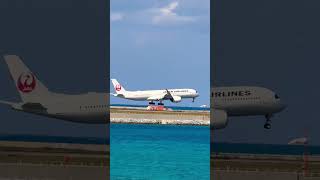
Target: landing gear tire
[
  {"x": 267, "y": 126},
  {"x": 152, "y": 103}
]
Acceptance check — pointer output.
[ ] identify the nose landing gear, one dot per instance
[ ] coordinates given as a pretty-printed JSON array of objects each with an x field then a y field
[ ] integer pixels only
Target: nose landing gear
[{"x": 267, "y": 125}]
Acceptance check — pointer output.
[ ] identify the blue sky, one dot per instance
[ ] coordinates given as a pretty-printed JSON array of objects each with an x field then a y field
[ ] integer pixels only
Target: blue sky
[{"x": 158, "y": 44}]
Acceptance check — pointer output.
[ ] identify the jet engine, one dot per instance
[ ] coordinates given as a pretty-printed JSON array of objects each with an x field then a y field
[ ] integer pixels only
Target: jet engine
[
  {"x": 219, "y": 119},
  {"x": 175, "y": 99}
]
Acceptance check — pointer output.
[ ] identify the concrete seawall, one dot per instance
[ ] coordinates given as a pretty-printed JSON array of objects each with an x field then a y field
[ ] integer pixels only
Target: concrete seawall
[
  {"x": 37, "y": 160},
  {"x": 227, "y": 166},
  {"x": 141, "y": 116}
]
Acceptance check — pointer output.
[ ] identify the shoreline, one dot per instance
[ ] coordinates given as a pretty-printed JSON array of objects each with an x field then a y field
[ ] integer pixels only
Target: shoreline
[
  {"x": 157, "y": 122},
  {"x": 142, "y": 116}
]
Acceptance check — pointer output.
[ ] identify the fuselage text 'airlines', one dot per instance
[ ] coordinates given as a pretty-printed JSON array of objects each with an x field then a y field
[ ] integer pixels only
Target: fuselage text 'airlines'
[{"x": 243, "y": 101}]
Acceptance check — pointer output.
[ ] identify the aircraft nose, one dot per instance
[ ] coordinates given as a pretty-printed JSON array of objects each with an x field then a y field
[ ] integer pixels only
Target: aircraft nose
[
  {"x": 282, "y": 106},
  {"x": 196, "y": 94}
]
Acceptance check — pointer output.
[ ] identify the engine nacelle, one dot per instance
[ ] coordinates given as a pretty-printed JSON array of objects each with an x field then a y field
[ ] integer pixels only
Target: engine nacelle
[
  {"x": 219, "y": 119},
  {"x": 175, "y": 99}
]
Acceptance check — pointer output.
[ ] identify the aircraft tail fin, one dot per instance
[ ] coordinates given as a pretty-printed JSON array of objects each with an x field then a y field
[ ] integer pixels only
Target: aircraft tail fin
[
  {"x": 27, "y": 84},
  {"x": 117, "y": 87}
]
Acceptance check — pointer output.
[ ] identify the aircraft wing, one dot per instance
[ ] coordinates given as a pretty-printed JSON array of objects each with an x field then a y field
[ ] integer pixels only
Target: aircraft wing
[
  {"x": 168, "y": 95},
  {"x": 172, "y": 98}
]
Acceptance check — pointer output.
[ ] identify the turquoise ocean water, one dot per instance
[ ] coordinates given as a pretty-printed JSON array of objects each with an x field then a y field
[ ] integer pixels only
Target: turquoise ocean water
[{"x": 159, "y": 152}]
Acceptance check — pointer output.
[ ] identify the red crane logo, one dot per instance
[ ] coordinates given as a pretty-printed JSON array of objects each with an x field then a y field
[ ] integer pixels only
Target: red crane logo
[
  {"x": 118, "y": 87},
  {"x": 26, "y": 82}
]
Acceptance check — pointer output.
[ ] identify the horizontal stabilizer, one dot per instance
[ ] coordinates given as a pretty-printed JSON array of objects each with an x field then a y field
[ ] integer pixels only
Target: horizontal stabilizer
[
  {"x": 7, "y": 103},
  {"x": 118, "y": 95},
  {"x": 29, "y": 107},
  {"x": 34, "y": 107}
]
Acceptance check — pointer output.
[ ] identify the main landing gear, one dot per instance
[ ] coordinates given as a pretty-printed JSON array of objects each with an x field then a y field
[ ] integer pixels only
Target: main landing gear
[
  {"x": 151, "y": 103},
  {"x": 267, "y": 125},
  {"x": 160, "y": 103}
]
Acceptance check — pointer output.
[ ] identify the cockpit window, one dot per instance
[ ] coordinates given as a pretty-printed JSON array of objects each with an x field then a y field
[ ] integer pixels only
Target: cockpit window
[{"x": 276, "y": 96}]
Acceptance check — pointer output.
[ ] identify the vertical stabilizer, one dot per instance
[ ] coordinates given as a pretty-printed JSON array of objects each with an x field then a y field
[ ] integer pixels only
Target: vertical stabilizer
[
  {"x": 117, "y": 87},
  {"x": 27, "y": 84}
]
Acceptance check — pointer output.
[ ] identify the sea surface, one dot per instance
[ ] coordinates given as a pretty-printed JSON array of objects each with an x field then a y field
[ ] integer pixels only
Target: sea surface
[{"x": 159, "y": 152}]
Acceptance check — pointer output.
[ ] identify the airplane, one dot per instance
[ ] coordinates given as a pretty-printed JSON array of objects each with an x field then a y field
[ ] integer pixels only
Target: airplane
[
  {"x": 90, "y": 108},
  {"x": 174, "y": 95},
  {"x": 243, "y": 101}
]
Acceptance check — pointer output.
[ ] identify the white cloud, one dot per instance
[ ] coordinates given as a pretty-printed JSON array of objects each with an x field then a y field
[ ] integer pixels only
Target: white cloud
[
  {"x": 168, "y": 10},
  {"x": 116, "y": 16},
  {"x": 159, "y": 16},
  {"x": 168, "y": 16}
]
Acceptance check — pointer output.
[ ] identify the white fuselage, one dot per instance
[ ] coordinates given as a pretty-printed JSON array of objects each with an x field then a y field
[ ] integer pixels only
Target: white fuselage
[
  {"x": 92, "y": 108},
  {"x": 145, "y": 95},
  {"x": 246, "y": 101}
]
